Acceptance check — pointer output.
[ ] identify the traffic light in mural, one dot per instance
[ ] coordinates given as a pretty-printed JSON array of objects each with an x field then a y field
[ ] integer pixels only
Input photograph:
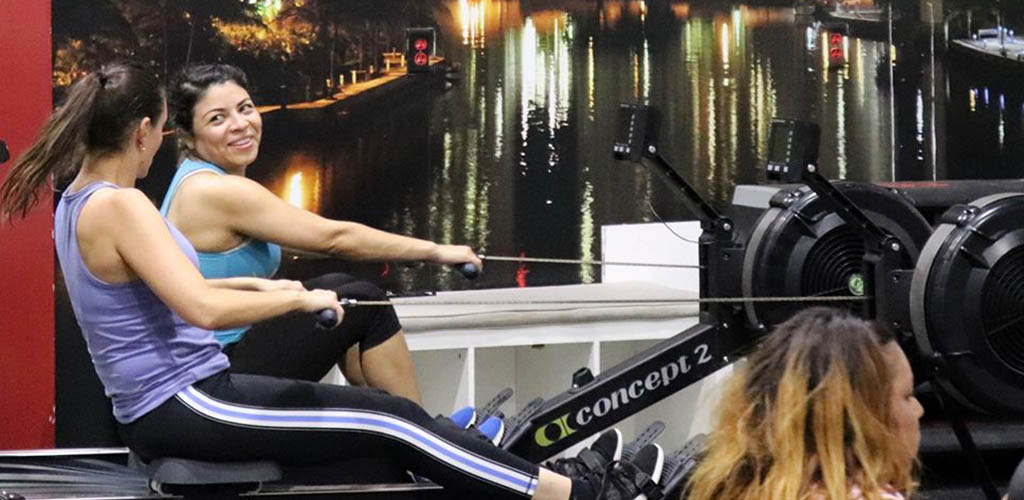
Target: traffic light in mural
[
  {"x": 420, "y": 48},
  {"x": 836, "y": 55}
]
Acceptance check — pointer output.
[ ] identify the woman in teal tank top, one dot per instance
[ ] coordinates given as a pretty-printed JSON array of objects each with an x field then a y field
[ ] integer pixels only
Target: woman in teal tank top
[{"x": 237, "y": 226}]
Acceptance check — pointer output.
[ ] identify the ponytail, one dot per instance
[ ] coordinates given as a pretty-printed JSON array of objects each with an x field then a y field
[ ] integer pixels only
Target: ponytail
[
  {"x": 96, "y": 118},
  {"x": 58, "y": 150}
]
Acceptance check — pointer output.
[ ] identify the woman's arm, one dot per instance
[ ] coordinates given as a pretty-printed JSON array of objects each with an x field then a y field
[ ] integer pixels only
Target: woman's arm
[
  {"x": 255, "y": 284},
  {"x": 246, "y": 207},
  {"x": 130, "y": 221}
]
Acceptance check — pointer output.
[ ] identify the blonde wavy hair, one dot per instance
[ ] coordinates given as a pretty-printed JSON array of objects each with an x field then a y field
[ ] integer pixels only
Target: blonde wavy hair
[{"x": 806, "y": 416}]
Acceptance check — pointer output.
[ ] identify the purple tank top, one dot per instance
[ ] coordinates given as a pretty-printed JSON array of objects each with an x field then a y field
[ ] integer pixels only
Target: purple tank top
[{"x": 143, "y": 352}]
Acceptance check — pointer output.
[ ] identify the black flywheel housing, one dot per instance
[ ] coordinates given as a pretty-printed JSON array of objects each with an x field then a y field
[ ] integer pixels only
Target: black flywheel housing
[
  {"x": 800, "y": 247},
  {"x": 967, "y": 301}
]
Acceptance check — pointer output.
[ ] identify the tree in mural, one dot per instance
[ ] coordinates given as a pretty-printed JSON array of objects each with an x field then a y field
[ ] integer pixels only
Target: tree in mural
[
  {"x": 160, "y": 33},
  {"x": 290, "y": 48}
]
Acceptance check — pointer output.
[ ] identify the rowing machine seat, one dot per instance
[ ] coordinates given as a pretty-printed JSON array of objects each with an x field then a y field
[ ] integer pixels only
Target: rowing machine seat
[{"x": 179, "y": 472}]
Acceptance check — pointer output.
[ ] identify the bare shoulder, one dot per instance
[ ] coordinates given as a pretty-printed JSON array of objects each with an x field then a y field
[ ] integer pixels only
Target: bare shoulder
[
  {"x": 109, "y": 219},
  {"x": 225, "y": 192},
  {"x": 118, "y": 204}
]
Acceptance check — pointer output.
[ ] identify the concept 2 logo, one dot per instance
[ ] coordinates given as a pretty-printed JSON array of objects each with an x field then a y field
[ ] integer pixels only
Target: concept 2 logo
[
  {"x": 568, "y": 424},
  {"x": 554, "y": 432}
]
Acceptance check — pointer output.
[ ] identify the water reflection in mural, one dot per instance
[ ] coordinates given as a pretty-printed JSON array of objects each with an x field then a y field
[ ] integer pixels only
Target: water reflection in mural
[{"x": 515, "y": 158}]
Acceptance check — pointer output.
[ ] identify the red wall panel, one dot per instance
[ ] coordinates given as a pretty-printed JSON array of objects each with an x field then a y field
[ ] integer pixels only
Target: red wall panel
[{"x": 26, "y": 247}]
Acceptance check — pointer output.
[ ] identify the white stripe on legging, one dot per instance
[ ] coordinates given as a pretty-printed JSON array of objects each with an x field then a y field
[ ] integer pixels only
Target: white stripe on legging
[{"x": 361, "y": 420}]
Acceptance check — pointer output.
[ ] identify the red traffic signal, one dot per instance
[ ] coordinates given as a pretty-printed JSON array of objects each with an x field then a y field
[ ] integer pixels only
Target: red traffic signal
[
  {"x": 836, "y": 56},
  {"x": 419, "y": 49}
]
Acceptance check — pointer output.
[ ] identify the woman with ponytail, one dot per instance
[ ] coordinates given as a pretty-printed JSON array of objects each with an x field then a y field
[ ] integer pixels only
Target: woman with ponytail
[
  {"x": 823, "y": 409},
  {"x": 57, "y": 151},
  {"x": 147, "y": 316}
]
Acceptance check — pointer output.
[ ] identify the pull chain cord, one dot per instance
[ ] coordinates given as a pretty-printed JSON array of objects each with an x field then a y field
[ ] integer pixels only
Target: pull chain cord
[
  {"x": 713, "y": 300},
  {"x": 544, "y": 260},
  {"x": 295, "y": 253}
]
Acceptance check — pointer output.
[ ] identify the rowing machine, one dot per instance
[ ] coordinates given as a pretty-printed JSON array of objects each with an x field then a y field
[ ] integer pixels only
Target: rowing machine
[{"x": 815, "y": 239}]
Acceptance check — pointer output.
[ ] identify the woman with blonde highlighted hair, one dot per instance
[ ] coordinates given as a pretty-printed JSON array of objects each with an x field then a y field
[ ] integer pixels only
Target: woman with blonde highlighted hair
[{"x": 822, "y": 409}]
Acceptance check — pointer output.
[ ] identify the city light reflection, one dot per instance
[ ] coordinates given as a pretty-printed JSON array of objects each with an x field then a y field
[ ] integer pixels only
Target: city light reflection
[
  {"x": 824, "y": 56},
  {"x": 737, "y": 27},
  {"x": 294, "y": 194},
  {"x": 587, "y": 232},
  {"x": 1002, "y": 121},
  {"x": 636, "y": 77},
  {"x": 590, "y": 80},
  {"x": 301, "y": 186},
  {"x": 846, "y": 49},
  {"x": 442, "y": 203},
  {"x": 499, "y": 120},
  {"x": 841, "y": 126},
  {"x": 724, "y": 45},
  {"x": 645, "y": 96},
  {"x": 528, "y": 65},
  {"x": 680, "y": 9},
  {"x": 611, "y": 13},
  {"x": 858, "y": 66},
  {"x": 474, "y": 22},
  {"x": 919, "y": 123}
]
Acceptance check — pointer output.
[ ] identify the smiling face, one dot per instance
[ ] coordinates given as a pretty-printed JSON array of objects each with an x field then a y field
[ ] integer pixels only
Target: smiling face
[{"x": 226, "y": 127}]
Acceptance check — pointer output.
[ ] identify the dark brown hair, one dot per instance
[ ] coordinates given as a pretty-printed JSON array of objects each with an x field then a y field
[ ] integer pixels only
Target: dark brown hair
[
  {"x": 96, "y": 118},
  {"x": 190, "y": 85}
]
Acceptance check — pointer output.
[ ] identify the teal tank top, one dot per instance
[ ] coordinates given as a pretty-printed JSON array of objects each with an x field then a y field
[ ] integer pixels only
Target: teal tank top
[{"x": 253, "y": 258}]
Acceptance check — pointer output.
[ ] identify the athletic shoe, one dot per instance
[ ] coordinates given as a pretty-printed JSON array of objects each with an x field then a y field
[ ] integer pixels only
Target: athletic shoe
[
  {"x": 680, "y": 464},
  {"x": 468, "y": 416},
  {"x": 635, "y": 480},
  {"x": 651, "y": 459},
  {"x": 464, "y": 417},
  {"x": 493, "y": 428},
  {"x": 607, "y": 448}
]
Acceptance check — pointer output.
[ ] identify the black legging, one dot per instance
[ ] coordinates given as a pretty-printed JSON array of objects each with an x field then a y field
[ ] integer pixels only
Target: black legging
[
  {"x": 291, "y": 346},
  {"x": 244, "y": 417}
]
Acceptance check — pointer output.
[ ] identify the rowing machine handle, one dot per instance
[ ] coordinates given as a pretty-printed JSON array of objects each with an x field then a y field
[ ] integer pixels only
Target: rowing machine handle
[
  {"x": 468, "y": 270},
  {"x": 326, "y": 319}
]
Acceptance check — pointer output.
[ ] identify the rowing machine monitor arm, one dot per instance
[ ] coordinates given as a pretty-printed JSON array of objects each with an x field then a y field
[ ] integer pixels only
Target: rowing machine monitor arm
[
  {"x": 793, "y": 157},
  {"x": 719, "y": 248},
  {"x": 637, "y": 141}
]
